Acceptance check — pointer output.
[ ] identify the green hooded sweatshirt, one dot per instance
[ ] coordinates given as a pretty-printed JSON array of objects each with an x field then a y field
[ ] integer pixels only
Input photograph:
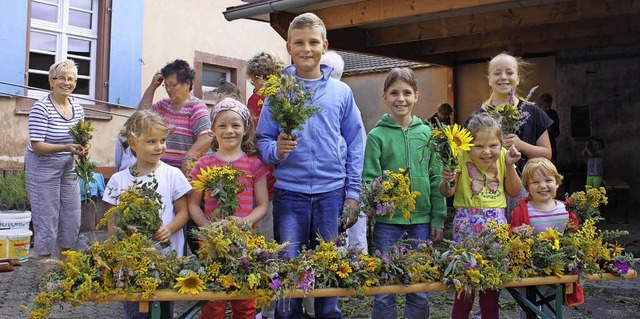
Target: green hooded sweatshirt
[{"x": 389, "y": 147}]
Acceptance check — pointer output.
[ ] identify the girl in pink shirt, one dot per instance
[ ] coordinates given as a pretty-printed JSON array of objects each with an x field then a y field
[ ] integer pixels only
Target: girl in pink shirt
[{"x": 233, "y": 144}]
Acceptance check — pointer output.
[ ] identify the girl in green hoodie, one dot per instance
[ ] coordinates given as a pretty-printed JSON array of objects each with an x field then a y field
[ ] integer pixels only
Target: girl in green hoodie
[{"x": 393, "y": 144}]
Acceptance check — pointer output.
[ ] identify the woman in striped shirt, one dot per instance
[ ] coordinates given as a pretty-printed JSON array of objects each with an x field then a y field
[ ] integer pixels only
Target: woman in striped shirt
[
  {"x": 53, "y": 191},
  {"x": 186, "y": 115}
]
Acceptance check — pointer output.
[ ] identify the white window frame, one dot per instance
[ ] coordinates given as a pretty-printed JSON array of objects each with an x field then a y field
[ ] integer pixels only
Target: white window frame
[{"x": 63, "y": 31}]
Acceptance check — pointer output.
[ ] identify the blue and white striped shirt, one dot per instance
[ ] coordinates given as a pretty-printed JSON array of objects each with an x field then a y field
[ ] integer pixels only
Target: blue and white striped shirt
[{"x": 47, "y": 125}]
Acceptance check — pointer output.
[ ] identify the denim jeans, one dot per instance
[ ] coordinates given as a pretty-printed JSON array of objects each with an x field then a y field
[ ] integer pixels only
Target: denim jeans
[
  {"x": 298, "y": 219},
  {"x": 417, "y": 304}
]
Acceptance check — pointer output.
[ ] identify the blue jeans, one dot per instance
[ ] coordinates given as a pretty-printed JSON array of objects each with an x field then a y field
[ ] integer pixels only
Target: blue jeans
[
  {"x": 417, "y": 304},
  {"x": 299, "y": 218}
]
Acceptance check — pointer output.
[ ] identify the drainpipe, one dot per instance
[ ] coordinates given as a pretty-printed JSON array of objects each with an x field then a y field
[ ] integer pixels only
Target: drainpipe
[{"x": 258, "y": 8}]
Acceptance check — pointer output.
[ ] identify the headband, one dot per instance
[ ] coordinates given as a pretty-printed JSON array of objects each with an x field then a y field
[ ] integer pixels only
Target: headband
[{"x": 230, "y": 104}]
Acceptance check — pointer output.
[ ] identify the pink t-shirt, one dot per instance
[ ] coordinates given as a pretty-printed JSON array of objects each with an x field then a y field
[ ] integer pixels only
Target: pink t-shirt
[{"x": 254, "y": 170}]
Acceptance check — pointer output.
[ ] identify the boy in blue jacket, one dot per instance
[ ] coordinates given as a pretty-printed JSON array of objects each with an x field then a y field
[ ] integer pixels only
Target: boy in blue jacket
[{"x": 319, "y": 171}]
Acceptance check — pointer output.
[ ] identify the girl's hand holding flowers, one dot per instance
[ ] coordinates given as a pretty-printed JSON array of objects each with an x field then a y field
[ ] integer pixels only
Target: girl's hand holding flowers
[{"x": 163, "y": 234}]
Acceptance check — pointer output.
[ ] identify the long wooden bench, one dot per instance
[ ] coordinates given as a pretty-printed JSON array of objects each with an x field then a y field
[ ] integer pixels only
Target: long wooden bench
[{"x": 618, "y": 187}]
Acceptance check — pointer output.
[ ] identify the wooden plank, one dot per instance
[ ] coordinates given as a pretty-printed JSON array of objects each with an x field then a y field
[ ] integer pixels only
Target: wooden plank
[
  {"x": 535, "y": 35},
  {"x": 172, "y": 295},
  {"x": 554, "y": 13},
  {"x": 377, "y": 11}
]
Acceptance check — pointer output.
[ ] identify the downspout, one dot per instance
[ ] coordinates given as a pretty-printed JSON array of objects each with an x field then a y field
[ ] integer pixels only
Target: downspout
[{"x": 258, "y": 8}]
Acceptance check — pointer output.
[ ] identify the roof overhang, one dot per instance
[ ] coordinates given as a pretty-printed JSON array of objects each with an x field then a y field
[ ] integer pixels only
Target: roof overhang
[{"x": 453, "y": 32}]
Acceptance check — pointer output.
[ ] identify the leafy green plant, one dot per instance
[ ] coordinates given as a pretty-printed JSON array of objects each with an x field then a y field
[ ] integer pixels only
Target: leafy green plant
[{"x": 13, "y": 192}]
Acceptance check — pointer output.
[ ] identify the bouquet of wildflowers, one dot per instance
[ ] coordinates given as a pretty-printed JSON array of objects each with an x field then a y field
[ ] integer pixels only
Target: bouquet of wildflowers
[
  {"x": 222, "y": 183},
  {"x": 447, "y": 142},
  {"x": 138, "y": 211},
  {"x": 480, "y": 262},
  {"x": 81, "y": 134},
  {"x": 127, "y": 266},
  {"x": 586, "y": 204},
  {"x": 235, "y": 259},
  {"x": 510, "y": 116},
  {"x": 289, "y": 103},
  {"x": 387, "y": 193}
]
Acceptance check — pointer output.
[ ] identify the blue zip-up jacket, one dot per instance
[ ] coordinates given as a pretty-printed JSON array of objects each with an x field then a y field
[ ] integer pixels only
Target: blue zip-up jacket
[{"x": 330, "y": 148}]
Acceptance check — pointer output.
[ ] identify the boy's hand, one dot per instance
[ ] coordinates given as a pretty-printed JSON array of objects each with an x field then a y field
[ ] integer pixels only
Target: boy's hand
[
  {"x": 285, "y": 145},
  {"x": 163, "y": 234},
  {"x": 354, "y": 217},
  {"x": 437, "y": 234},
  {"x": 513, "y": 156}
]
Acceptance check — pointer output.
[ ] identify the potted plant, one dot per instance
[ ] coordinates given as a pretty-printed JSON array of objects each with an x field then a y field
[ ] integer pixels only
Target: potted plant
[{"x": 13, "y": 192}]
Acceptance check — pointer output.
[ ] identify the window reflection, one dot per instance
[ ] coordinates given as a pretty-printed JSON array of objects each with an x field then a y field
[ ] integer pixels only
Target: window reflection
[
  {"x": 42, "y": 11},
  {"x": 42, "y": 41},
  {"x": 81, "y": 4},
  {"x": 79, "y": 47},
  {"x": 80, "y": 19}
]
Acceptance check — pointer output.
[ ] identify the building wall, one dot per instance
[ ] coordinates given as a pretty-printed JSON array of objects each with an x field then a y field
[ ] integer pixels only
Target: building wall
[
  {"x": 367, "y": 90},
  {"x": 171, "y": 29}
]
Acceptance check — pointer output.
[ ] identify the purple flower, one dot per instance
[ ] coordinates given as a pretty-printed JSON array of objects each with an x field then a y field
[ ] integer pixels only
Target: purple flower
[
  {"x": 620, "y": 268},
  {"x": 244, "y": 262},
  {"x": 307, "y": 280},
  {"x": 275, "y": 284}
]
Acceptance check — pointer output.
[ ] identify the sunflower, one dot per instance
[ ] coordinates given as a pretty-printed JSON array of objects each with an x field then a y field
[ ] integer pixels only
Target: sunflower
[
  {"x": 552, "y": 236},
  {"x": 190, "y": 284},
  {"x": 459, "y": 138},
  {"x": 199, "y": 183}
]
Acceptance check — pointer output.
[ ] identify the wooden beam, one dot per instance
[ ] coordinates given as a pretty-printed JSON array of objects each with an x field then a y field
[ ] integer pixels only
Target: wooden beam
[
  {"x": 377, "y": 11},
  {"x": 503, "y": 19},
  {"x": 535, "y": 35},
  {"x": 280, "y": 22},
  {"x": 549, "y": 47}
]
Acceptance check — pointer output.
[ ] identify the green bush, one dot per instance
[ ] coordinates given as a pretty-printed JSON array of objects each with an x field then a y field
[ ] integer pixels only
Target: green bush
[{"x": 13, "y": 192}]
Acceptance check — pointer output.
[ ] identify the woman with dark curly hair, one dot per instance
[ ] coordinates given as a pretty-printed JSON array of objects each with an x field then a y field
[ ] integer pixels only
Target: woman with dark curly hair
[{"x": 186, "y": 116}]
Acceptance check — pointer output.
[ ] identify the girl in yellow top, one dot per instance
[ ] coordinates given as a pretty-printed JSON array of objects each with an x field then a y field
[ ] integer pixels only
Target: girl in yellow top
[{"x": 485, "y": 173}]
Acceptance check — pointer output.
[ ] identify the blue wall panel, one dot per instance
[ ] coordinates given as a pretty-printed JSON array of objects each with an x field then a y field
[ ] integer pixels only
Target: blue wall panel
[
  {"x": 13, "y": 44},
  {"x": 125, "y": 58}
]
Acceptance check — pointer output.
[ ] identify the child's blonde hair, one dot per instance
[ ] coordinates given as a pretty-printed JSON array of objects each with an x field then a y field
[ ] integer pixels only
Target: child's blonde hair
[
  {"x": 139, "y": 124},
  {"x": 541, "y": 165},
  {"x": 484, "y": 121},
  {"x": 307, "y": 20},
  {"x": 521, "y": 67},
  {"x": 405, "y": 75}
]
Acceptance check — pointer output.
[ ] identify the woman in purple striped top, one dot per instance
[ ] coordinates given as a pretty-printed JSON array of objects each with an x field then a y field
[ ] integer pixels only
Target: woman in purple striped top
[{"x": 53, "y": 191}]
